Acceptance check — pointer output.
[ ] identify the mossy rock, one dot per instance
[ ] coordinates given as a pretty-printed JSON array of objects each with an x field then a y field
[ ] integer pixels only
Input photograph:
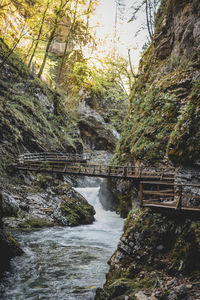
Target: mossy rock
[
  {"x": 153, "y": 245},
  {"x": 62, "y": 188},
  {"x": 77, "y": 212},
  {"x": 9, "y": 248},
  {"x": 124, "y": 207},
  {"x": 35, "y": 222}
]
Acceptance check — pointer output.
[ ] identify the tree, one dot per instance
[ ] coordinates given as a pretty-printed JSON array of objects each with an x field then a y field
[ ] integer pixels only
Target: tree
[
  {"x": 67, "y": 40},
  {"x": 39, "y": 32},
  {"x": 149, "y": 7},
  {"x": 59, "y": 13}
]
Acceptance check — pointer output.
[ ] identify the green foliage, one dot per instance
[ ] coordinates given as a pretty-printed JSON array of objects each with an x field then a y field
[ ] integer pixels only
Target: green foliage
[
  {"x": 27, "y": 115},
  {"x": 148, "y": 126},
  {"x": 184, "y": 143},
  {"x": 30, "y": 27}
]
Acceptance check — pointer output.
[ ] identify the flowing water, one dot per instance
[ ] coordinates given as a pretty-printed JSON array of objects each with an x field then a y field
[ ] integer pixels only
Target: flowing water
[{"x": 64, "y": 262}]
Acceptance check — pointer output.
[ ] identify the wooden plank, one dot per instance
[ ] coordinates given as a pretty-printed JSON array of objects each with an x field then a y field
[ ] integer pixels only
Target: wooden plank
[
  {"x": 150, "y": 201},
  {"x": 160, "y": 204},
  {"x": 190, "y": 208},
  {"x": 158, "y": 182},
  {"x": 141, "y": 194},
  {"x": 46, "y": 209},
  {"x": 159, "y": 193}
]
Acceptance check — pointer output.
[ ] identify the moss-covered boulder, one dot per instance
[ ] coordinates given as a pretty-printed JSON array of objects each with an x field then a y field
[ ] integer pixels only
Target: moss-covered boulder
[
  {"x": 155, "y": 256},
  {"x": 77, "y": 211},
  {"x": 32, "y": 222}
]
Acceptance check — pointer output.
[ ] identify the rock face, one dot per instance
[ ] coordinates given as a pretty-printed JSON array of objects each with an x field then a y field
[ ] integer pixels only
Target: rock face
[
  {"x": 164, "y": 121},
  {"x": 29, "y": 119},
  {"x": 9, "y": 247},
  {"x": 94, "y": 131},
  {"x": 118, "y": 195},
  {"x": 158, "y": 257}
]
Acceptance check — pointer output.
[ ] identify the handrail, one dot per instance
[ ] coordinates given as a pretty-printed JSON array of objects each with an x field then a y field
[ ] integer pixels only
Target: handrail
[
  {"x": 176, "y": 198},
  {"x": 50, "y": 155},
  {"x": 61, "y": 166}
]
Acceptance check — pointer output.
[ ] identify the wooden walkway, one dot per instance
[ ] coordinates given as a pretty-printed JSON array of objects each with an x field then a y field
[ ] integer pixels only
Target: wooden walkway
[
  {"x": 78, "y": 165},
  {"x": 157, "y": 188},
  {"x": 170, "y": 195}
]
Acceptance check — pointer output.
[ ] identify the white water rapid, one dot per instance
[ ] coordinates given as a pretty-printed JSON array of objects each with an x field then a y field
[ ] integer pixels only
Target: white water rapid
[{"x": 64, "y": 263}]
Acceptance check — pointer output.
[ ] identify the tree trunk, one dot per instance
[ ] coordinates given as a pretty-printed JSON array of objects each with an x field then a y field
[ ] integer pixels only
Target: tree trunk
[
  {"x": 67, "y": 43},
  {"x": 39, "y": 34},
  {"x": 52, "y": 35},
  {"x": 148, "y": 21},
  {"x": 47, "y": 51},
  {"x": 5, "y": 58},
  {"x": 130, "y": 63}
]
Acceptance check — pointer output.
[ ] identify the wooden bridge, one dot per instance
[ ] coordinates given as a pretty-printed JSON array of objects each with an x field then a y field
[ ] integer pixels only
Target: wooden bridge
[
  {"x": 76, "y": 164},
  {"x": 157, "y": 188}
]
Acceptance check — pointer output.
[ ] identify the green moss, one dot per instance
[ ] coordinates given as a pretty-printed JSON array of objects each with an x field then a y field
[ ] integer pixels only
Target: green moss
[
  {"x": 147, "y": 134},
  {"x": 27, "y": 119},
  {"x": 12, "y": 241},
  {"x": 184, "y": 142},
  {"x": 77, "y": 212},
  {"x": 9, "y": 248},
  {"x": 162, "y": 245},
  {"x": 35, "y": 222}
]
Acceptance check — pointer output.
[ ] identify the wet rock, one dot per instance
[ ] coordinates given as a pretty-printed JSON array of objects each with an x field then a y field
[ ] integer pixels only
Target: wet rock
[
  {"x": 24, "y": 206},
  {"x": 77, "y": 212},
  {"x": 119, "y": 195},
  {"x": 60, "y": 219},
  {"x": 106, "y": 196},
  {"x": 10, "y": 205},
  {"x": 101, "y": 294},
  {"x": 9, "y": 248},
  {"x": 47, "y": 202}
]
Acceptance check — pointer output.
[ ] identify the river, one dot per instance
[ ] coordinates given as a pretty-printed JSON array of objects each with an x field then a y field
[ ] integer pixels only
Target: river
[{"x": 64, "y": 263}]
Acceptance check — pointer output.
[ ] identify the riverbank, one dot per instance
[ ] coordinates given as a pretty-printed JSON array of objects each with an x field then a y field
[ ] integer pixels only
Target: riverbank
[{"x": 64, "y": 262}]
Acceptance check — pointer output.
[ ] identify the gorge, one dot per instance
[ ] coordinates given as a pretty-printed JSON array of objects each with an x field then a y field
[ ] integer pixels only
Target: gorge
[{"x": 61, "y": 245}]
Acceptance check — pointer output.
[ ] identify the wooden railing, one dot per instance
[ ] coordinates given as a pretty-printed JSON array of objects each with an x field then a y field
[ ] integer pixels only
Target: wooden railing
[
  {"x": 170, "y": 195},
  {"x": 61, "y": 166},
  {"x": 53, "y": 156}
]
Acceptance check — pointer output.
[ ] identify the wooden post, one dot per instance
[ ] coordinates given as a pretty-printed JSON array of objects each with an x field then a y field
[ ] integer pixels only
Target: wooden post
[
  {"x": 179, "y": 201},
  {"x": 158, "y": 189},
  {"x": 140, "y": 172},
  {"x": 125, "y": 172},
  {"x": 141, "y": 194},
  {"x": 108, "y": 170}
]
